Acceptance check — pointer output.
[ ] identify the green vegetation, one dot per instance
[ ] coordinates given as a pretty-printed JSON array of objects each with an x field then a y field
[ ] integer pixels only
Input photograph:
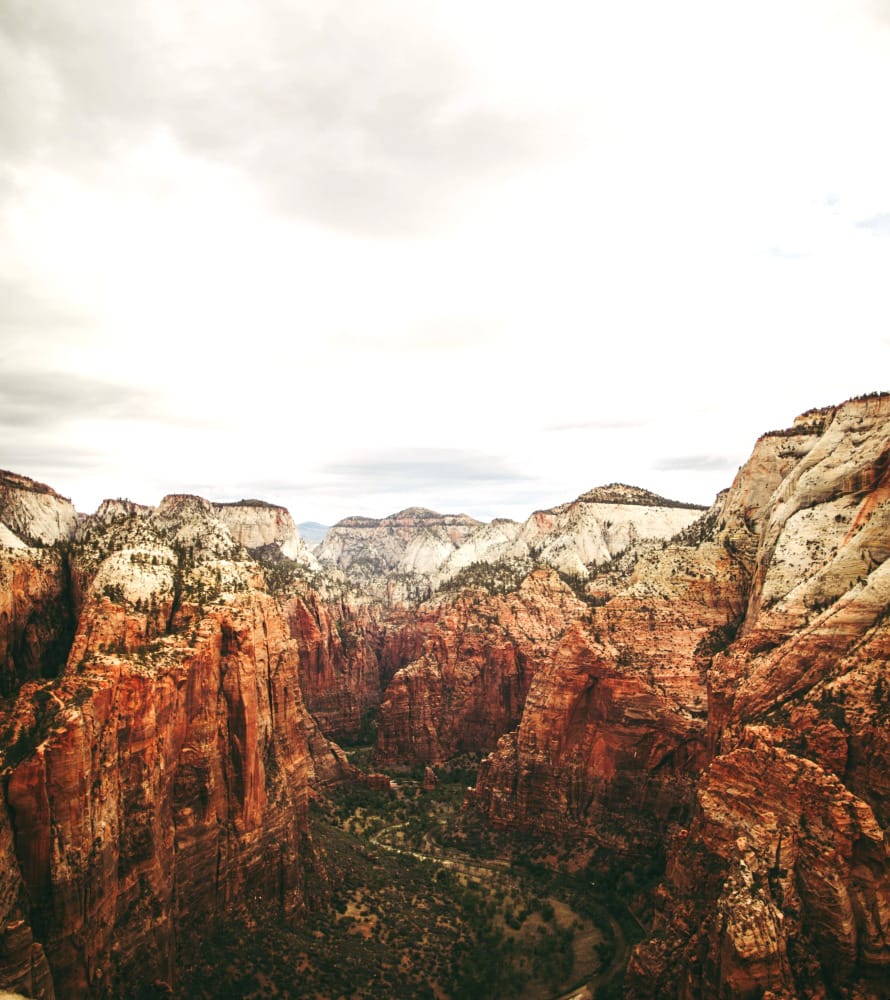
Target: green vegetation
[
  {"x": 501, "y": 577},
  {"x": 410, "y": 915}
]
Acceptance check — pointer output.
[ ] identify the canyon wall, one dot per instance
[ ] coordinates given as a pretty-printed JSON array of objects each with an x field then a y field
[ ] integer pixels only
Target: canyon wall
[
  {"x": 718, "y": 701},
  {"x": 728, "y": 703},
  {"x": 782, "y": 881},
  {"x": 472, "y": 658},
  {"x": 161, "y": 781}
]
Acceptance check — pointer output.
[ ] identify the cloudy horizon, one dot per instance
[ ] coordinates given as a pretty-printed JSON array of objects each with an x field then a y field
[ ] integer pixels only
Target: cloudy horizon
[{"x": 475, "y": 257}]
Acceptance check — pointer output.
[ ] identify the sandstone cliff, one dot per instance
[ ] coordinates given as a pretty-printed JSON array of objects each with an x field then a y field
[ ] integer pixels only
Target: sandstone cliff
[
  {"x": 32, "y": 512},
  {"x": 265, "y": 528},
  {"x": 788, "y": 848},
  {"x": 162, "y": 780},
  {"x": 394, "y": 558},
  {"x": 340, "y": 669},
  {"x": 409, "y": 555},
  {"x": 472, "y": 658},
  {"x": 729, "y": 698},
  {"x": 613, "y": 731},
  {"x": 594, "y": 528}
]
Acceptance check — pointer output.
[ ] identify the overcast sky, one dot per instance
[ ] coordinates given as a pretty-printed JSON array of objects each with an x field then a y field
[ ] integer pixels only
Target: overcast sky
[{"x": 474, "y": 255}]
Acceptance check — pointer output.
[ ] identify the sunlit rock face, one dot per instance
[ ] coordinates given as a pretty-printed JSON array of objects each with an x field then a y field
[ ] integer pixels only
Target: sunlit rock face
[
  {"x": 730, "y": 698},
  {"x": 395, "y": 557},
  {"x": 594, "y": 528},
  {"x": 32, "y": 513},
  {"x": 613, "y": 732},
  {"x": 782, "y": 880},
  {"x": 712, "y": 689},
  {"x": 411, "y": 554},
  {"x": 162, "y": 781},
  {"x": 261, "y": 527}
]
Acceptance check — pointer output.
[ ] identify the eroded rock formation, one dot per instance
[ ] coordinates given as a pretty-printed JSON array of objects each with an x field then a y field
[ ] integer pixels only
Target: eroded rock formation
[
  {"x": 730, "y": 698},
  {"x": 474, "y": 656},
  {"x": 162, "y": 780}
]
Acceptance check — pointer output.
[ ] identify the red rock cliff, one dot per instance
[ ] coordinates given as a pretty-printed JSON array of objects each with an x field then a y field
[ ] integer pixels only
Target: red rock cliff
[
  {"x": 474, "y": 655},
  {"x": 781, "y": 882},
  {"x": 162, "y": 781}
]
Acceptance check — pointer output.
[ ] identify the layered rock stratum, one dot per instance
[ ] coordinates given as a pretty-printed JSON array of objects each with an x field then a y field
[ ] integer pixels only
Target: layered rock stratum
[
  {"x": 160, "y": 779},
  {"x": 409, "y": 555}
]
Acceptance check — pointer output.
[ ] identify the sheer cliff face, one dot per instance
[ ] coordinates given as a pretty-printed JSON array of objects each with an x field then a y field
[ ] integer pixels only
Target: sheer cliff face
[
  {"x": 594, "y": 528},
  {"x": 472, "y": 658},
  {"x": 790, "y": 831},
  {"x": 162, "y": 780},
  {"x": 32, "y": 513},
  {"x": 410, "y": 554},
  {"x": 340, "y": 672},
  {"x": 613, "y": 731},
  {"x": 737, "y": 682},
  {"x": 260, "y": 526},
  {"x": 36, "y": 624},
  {"x": 411, "y": 544}
]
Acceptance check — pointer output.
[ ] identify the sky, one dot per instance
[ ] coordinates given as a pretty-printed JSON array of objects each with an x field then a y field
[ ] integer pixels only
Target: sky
[{"x": 472, "y": 255}]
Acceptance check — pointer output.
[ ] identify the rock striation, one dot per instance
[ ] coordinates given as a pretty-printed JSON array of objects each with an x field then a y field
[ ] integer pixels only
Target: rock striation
[
  {"x": 575, "y": 536},
  {"x": 33, "y": 513},
  {"x": 409, "y": 555},
  {"x": 652, "y": 684},
  {"x": 790, "y": 832},
  {"x": 161, "y": 781},
  {"x": 728, "y": 701},
  {"x": 395, "y": 557},
  {"x": 265, "y": 529},
  {"x": 340, "y": 666},
  {"x": 472, "y": 657},
  {"x": 613, "y": 732}
]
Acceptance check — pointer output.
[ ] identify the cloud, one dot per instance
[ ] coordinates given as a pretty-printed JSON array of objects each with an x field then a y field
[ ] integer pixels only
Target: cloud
[
  {"x": 421, "y": 470},
  {"x": 782, "y": 253},
  {"x": 26, "y": 308},
  {"x": 695, "y": 463},
  {"x": 44, "y": 461},
  {"x": 353, "y": 117},
  {"x": 41, "y": 400},
  {"x": 597, "y": 425},
  {"x": 878, "y": 224}
]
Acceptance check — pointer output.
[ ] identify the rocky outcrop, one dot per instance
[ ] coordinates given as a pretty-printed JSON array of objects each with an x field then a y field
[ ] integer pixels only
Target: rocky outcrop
[
  {"x": 34, "y": 513},
  {"x": 730, "y": 698},
  {"x": 410, "y": 554},
  {"x": 23, "y": 965},
  {"x": 475, "y": 654},
  {"x": 781, "y": 883},
  {"x": 782, "y": 878},
  {"x": 415, "y": 540},
  {"x": 411, "y": 544},
  {"x": 572, "y": 537},
  {"x": 265, "y": 528},
  {"x": 162, "y": 781},
  {"x": 340, "y": 671},
  {"x": 720, "y": 700},
  {"x": 613, "y": 731},
  {"x": 36, "y": 620}
]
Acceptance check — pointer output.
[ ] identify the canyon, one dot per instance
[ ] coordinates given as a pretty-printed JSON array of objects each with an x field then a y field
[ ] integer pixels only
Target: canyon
[{"x": 695, "y": 699}]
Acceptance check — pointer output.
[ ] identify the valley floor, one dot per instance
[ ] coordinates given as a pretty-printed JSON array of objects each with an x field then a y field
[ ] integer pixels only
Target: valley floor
[{"x": 415, "y": 916}]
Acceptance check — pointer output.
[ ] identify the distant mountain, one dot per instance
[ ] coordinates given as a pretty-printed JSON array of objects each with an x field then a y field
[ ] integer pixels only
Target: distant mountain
[{"x": 312, "y": 532}]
